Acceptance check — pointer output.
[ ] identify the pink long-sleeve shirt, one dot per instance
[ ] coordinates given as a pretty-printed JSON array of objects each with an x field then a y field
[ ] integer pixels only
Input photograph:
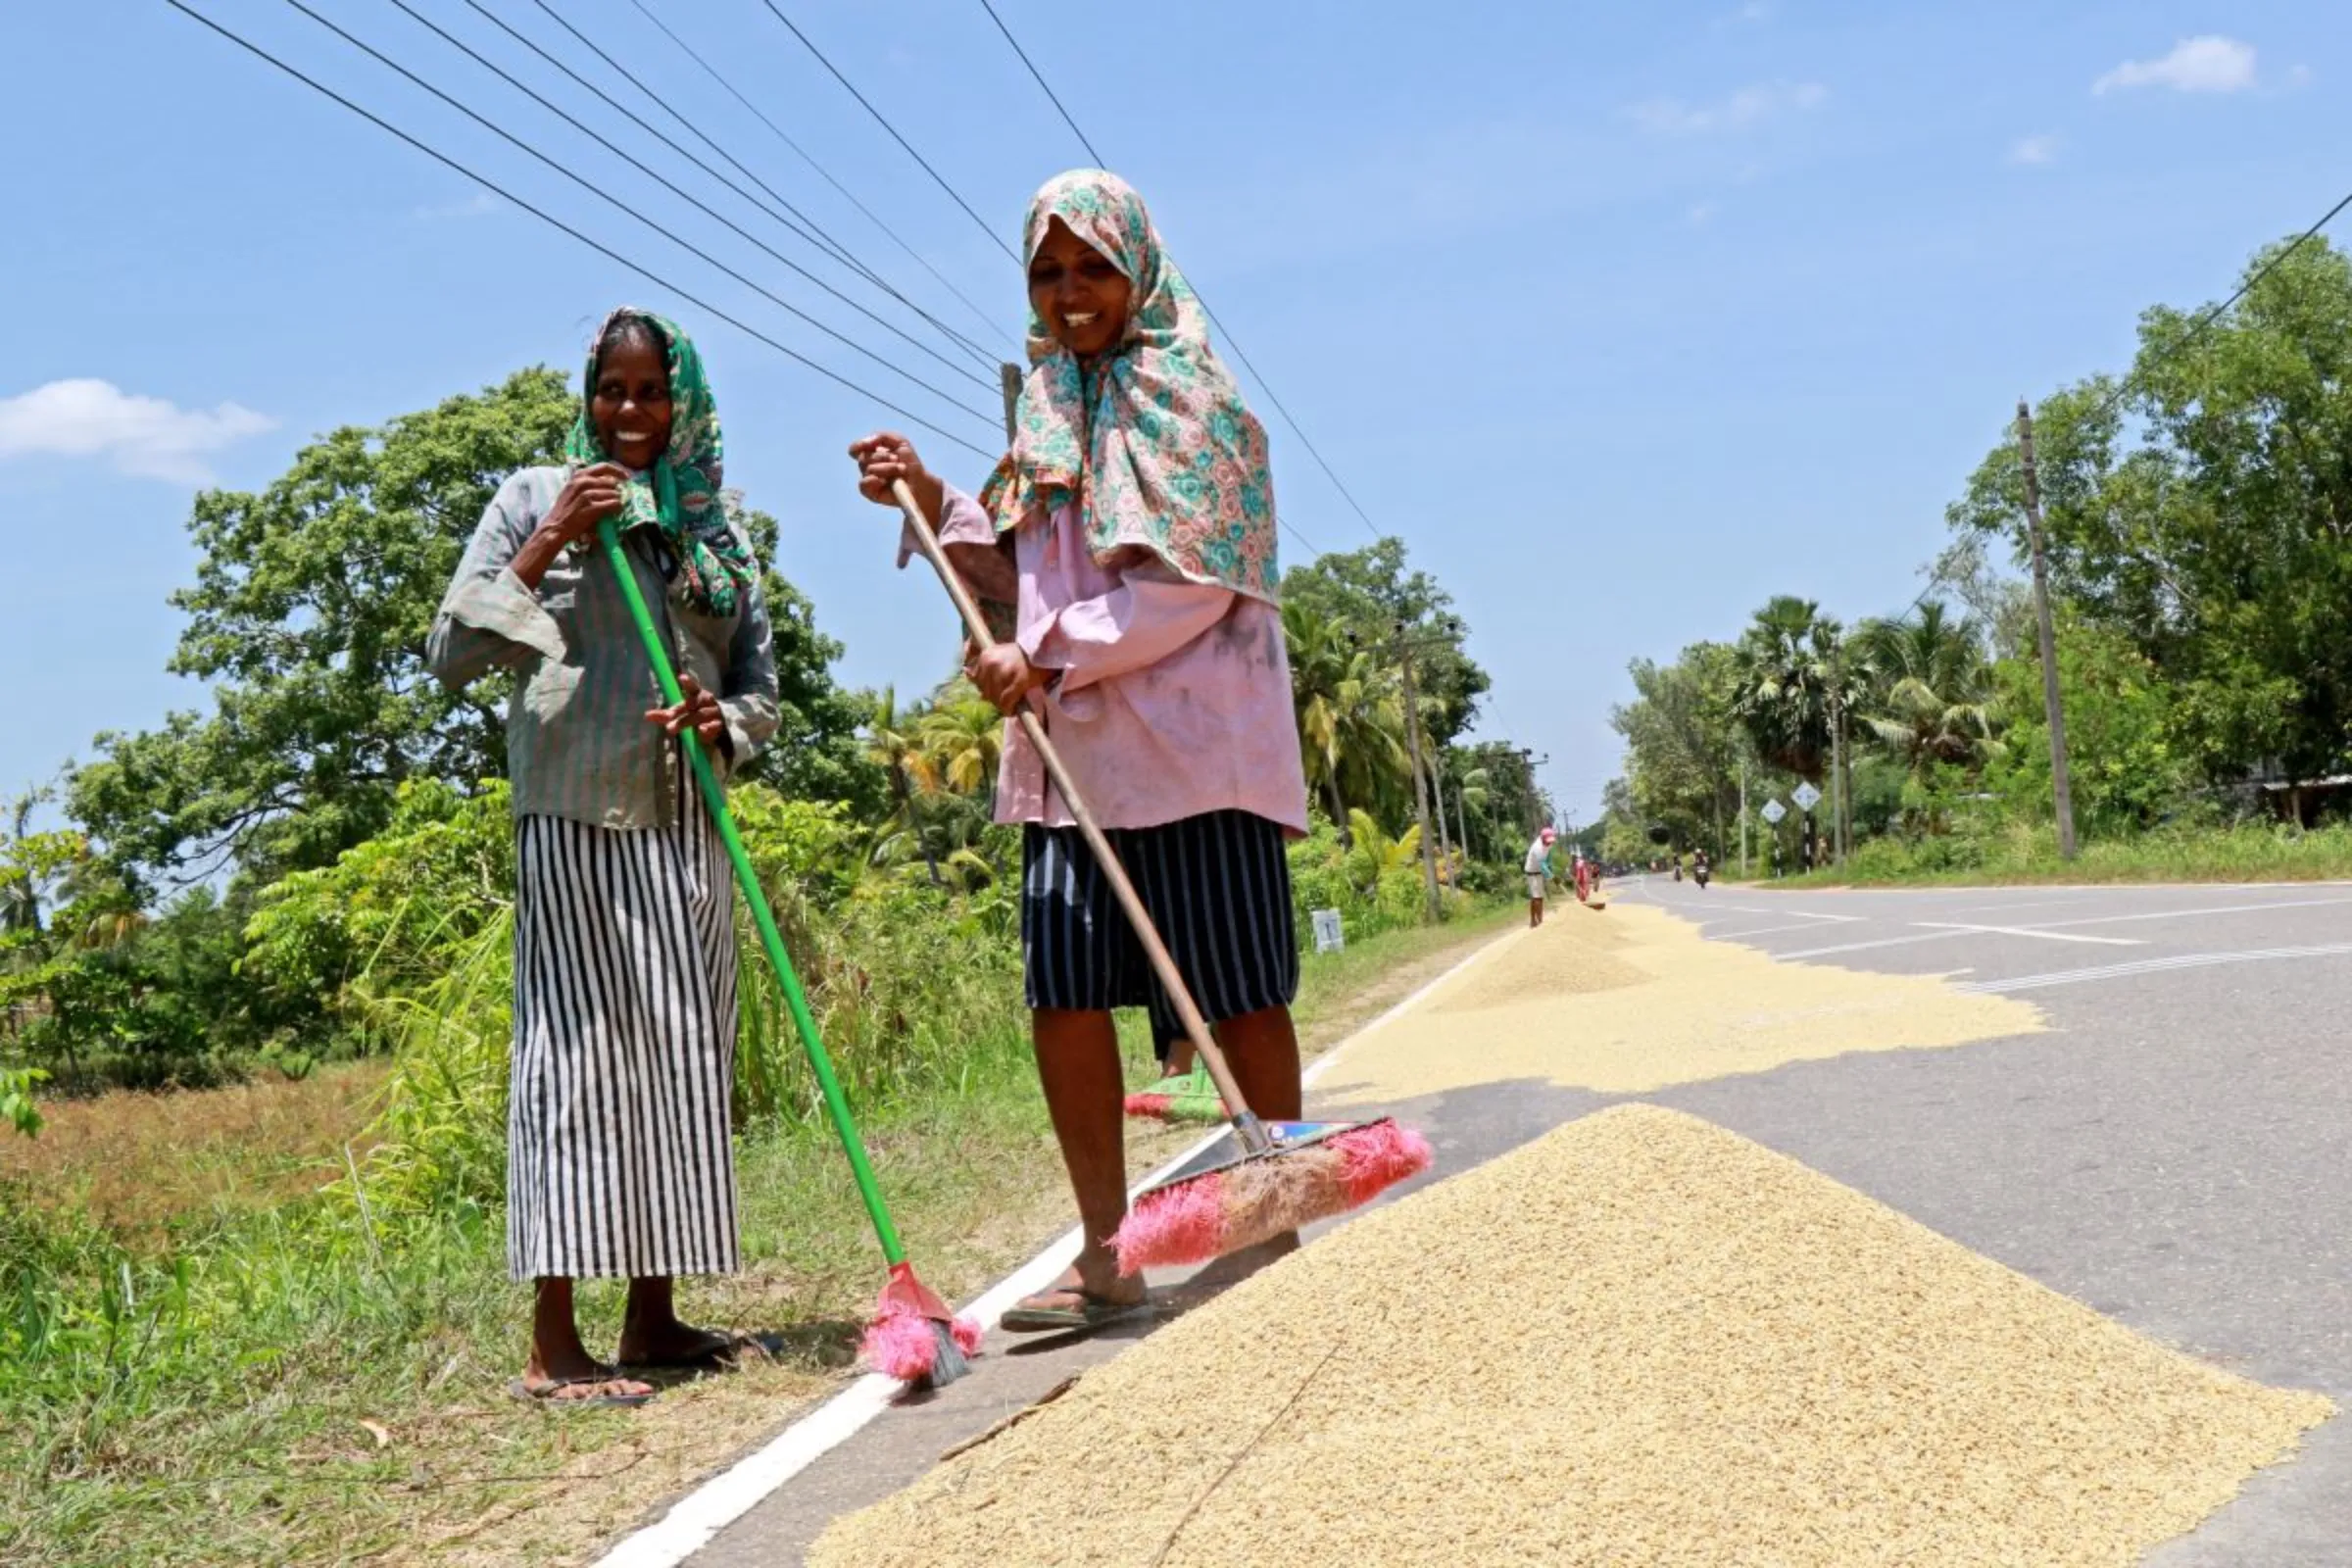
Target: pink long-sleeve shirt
[{"x": 1170, "y": 697}]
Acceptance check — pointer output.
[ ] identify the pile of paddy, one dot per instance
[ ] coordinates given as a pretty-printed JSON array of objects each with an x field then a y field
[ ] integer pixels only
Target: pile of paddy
[
  {"x": 1640, "y": 1339},
  {"x": 1633, "y": 1001}
]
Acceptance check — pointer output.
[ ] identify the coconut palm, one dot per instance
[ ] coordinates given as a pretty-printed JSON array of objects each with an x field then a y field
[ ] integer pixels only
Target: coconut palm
[
  {"x": 963, "y": 739},
  {"x": 1933, "y": 700},
  {"x": 894, "y": 743},
  {"x": 1374, "y": 856},
  {"x": 1351, "y": 717}
]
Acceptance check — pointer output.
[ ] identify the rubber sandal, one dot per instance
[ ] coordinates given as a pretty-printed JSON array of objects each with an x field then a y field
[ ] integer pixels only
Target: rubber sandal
[
  {"x": 1093, "y": 1313},
  {"x": 545, "y": 1394},
  {"x": 719, "y": 1351}
]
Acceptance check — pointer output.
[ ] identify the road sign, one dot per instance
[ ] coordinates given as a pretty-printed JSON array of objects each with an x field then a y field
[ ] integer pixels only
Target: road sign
[
  {"x": 1773, "y": 812},
  {"x": 1328, "y": 937},
  {"x": 1806, "y": 797}
]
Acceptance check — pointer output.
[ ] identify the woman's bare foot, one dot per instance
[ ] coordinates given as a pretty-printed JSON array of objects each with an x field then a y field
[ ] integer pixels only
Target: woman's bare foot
[{"x": 652, "y": 1335}]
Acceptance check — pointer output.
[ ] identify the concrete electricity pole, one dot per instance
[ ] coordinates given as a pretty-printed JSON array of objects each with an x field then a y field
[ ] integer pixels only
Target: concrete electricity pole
[{"x": 2060, "y": 787}]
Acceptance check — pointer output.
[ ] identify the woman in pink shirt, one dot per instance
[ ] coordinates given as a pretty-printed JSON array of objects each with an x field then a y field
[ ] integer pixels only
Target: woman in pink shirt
[{"x": 1126, "y": 546}]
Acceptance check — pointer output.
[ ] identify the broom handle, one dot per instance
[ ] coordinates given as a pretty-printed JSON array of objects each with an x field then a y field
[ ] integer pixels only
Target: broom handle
[
  {"x": 1195, "y": 1028},
  {"x": 836, "y": 1105}
]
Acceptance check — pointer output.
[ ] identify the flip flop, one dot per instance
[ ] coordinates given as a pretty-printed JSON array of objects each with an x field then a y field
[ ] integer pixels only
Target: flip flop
[
  {"x": 545, "y": 1393},
  {"x": 718, "y": 1350},
  {"x": 1093, "y": 1313}
]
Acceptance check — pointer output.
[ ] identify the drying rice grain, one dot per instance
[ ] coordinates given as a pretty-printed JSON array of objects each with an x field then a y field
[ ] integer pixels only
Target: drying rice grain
[
  {"x": 1640, "y": 1002},
  {"x": 1638, "y": 1339}
]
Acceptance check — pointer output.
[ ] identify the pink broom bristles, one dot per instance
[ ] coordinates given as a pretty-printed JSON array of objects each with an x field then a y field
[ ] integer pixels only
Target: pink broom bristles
[
  {"x": 1221, "y": 1211},
  {"x": 901, "y": 1343}
]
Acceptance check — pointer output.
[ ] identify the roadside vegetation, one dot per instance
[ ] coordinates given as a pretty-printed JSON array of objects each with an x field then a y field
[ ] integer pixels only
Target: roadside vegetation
[{"x": 2199, "y": 570}]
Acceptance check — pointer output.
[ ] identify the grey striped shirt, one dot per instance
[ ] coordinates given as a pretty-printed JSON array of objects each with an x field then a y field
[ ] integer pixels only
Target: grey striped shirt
[{"x": 578, "y": 745}]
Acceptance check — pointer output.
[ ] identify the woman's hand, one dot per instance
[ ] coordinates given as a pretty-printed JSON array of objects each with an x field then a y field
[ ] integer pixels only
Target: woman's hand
[
  {"x": 587, "y": 499},
  {"x": 885, "y": 457},
  {"x": 700, "y": 709},
  {"x": 1004, "y": 676}
]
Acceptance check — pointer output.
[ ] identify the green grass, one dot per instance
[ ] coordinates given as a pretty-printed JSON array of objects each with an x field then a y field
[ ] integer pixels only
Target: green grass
[
  {"x": 2025, "y": 856},
  {"x": 319, "y": 1381}
]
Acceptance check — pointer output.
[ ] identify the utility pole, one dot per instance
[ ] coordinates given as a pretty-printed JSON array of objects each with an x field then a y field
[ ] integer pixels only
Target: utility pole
[
  {"x": 1009, "y": 375},
  {"x": 1744, "y": 820},
  {"x": 1837, "y": 769},
  {"x": 1412, "y": 735},
  {"x": 1436, "y": 789},
  {"x": 2060, "y": 787}
]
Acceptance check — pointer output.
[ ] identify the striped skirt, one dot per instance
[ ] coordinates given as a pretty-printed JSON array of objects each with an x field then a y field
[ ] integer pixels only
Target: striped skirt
[{"x": 618, "y": 1161}]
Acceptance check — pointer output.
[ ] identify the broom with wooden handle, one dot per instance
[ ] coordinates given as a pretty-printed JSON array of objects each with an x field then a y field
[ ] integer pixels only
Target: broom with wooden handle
[
  {"x": 1288, "y": 1173},
  {"x": 913, "y": 1335}
]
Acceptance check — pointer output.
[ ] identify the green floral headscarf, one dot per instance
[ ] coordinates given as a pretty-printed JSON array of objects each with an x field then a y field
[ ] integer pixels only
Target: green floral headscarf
[
  {"x": 1155, "y": 440},
  {"x": 680, "y": 498}
]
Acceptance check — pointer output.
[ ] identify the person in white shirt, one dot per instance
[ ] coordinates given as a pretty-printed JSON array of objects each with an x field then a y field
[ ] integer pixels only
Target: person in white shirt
[{"x": 1539, "y": 861}]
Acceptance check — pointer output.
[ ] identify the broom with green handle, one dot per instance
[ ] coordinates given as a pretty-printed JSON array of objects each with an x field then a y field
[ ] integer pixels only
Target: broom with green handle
[{"x": 912, "y": 1336}]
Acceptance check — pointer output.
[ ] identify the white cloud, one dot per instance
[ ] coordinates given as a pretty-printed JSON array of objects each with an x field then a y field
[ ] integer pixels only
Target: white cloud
[
  {"x": 2033, "y": 150},
  {"x": 140, "y": 435},
  {"x": 1699, "y": 215},
  {"x": 2206, "y": 63},
  {"x": 1743, "y": 110}
]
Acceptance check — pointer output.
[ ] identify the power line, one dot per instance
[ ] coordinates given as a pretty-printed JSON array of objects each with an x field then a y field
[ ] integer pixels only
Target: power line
[
  {"x": 1231, "y": 341},
  {"x": 595, "y": 190},
  {"x": 642, "y": 168},
  {"x": 884, "y": 120},
  {"x": 2197, "y": 328},
  {"x": 823, "y": 172},
  {"x": 500, "y": 192},
  {"x": 809, "y": 229},
  {"x": 1039, "y": 77}
]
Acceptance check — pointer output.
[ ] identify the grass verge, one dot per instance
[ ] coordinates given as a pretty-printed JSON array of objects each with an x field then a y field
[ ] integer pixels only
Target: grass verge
[
  {"x": 290, "y": 1383},
  {"x": 2244, "y": 854}
]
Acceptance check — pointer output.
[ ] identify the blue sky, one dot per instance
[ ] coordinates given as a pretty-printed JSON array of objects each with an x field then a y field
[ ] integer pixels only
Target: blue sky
[{"x": 1624, "y": 318}]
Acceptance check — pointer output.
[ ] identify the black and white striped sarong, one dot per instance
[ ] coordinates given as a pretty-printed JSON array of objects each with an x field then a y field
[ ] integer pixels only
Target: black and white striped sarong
[
  {"x": 1218, "y": 887},
  {"x": 617, "y": 1154}
]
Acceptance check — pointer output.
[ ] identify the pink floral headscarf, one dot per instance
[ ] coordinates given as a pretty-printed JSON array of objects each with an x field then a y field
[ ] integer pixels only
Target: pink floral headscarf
[{"x": 1154, "y": 441}]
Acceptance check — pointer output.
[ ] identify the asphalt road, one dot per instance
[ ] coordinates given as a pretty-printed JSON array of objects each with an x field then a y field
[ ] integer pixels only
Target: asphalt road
[{"x": 2175, "y": 1153}]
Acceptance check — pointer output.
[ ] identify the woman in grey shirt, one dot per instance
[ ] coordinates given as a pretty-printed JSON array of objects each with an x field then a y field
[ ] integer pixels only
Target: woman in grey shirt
[{"x": 618, "y": 1161}]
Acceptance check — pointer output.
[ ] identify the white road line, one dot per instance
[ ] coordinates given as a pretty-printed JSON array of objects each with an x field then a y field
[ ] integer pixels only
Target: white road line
[
  {"x": 1859, "y": 947},
  {"x": 1749, "y": 909},
  {"x": 2125, "y": 971},
  {"x": 697, "y": 1518},
  {"x": 2043, "y": 933},
  {"x": 2188, "y": 914},
  {"x": 1762, "y": 931}
]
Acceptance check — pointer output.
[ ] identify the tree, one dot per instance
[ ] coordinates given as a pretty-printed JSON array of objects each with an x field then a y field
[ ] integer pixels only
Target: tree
[
  {"x": 308, "y": 618},
  {"x": 1351, "y": 715},
  {"x": 1371, "y": 592},
  {"x": 1685, "y": 741},
  {"x": 962, "y": 738},
  {"x": 2202, "y": 509},
  {"x": 1782, "y": 684},
  {"x": 1931, "y": 704},
  {"x": 894, "y": 744}
]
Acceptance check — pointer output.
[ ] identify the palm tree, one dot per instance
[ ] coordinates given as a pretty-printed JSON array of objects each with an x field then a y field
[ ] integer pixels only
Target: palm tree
[
  {"x": 1350, "y": 719},
  {"x": 894, "y": 743},
  {"x": 1782, "y": 694},
  {"x": 963, "y": 739},
  {"x": 1933, "y": 702},
  {"x": 1375, "y": 857}
]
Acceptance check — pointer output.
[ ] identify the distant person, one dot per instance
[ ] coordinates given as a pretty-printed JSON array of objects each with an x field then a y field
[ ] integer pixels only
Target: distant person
[
  {"x": 619, "y": 1157},
  {"x": 1538, "y": 864}
]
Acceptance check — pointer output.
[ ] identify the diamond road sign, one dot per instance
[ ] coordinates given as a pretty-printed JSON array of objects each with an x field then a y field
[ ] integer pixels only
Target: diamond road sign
[
  {"x": 1773, "y": 812},
  {"x": 1806, "y": 797}
]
